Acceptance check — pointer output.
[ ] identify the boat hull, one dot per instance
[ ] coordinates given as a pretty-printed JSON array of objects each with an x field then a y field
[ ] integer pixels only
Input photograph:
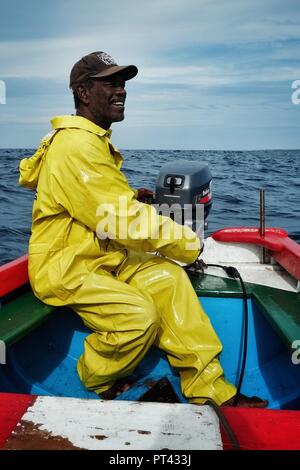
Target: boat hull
[{"x": 44, "y": 362}]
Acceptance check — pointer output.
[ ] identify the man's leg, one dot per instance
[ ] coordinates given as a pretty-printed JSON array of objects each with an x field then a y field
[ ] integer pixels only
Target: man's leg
[
  {"x": 125, "y": 324},
  {"x": 185, "y": 332}
]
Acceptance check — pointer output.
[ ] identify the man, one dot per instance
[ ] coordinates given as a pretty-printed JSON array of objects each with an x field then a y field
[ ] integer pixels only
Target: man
[{"x": 87, "y": 252}]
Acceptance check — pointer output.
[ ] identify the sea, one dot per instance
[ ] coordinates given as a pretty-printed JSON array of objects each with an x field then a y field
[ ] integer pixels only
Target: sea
[{"x": 238, "y": 177}]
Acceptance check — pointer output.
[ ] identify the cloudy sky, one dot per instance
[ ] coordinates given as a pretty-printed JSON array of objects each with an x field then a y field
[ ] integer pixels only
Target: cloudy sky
[{"x": 213, "y": 74}]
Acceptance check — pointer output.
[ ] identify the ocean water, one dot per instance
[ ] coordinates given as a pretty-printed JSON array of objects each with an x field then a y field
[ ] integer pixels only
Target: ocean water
[{"x": 237, "y": 179}]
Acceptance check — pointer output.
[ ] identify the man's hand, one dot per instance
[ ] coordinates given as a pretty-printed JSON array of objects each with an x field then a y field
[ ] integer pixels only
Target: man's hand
[
  {"x": 198, "y": 264},
  {"x": 145, "y": 195}
]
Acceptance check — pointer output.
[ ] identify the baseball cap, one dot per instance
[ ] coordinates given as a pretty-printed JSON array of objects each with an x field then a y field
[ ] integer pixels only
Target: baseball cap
[{"x": 97, "y": 65}]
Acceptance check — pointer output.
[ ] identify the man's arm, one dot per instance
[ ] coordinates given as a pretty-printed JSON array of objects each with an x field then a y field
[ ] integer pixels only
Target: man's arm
[{"x": 95, "y": 192}]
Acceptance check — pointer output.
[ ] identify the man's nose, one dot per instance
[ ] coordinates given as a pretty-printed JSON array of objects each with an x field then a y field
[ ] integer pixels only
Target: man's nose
[{"x": 120, "y": 90}]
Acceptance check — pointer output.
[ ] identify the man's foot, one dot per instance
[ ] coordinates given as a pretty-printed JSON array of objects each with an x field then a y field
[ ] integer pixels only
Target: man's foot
[
  {"x": 119, "y": 387},
  {"x": 247, "y": 402}
]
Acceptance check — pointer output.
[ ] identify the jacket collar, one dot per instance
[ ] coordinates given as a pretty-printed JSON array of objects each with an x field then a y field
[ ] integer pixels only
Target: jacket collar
[{"x": 79, "y": 122}]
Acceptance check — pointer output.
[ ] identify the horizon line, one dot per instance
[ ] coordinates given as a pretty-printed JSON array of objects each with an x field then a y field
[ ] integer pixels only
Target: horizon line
[{"x": 180, "y": 150}]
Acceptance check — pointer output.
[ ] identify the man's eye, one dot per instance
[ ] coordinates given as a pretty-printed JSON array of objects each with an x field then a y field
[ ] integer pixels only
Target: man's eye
[{"x": 117, "y": 84}]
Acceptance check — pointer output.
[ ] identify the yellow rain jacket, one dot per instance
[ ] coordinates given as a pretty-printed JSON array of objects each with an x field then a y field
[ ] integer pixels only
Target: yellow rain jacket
[
  {"x": 88, "y": 250},
  {"x": 73, "y": 176}
]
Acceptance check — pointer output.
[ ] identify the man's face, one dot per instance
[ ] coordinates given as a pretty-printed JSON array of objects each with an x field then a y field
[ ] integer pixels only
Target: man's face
[{"x": 107, "y": 100}]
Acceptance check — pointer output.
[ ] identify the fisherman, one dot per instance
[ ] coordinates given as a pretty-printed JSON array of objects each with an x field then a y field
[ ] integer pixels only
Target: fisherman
[{"x": 88, "y": 252}]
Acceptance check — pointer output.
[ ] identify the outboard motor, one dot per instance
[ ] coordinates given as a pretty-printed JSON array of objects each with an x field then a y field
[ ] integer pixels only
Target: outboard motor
[{"x": 184, "y": 192}]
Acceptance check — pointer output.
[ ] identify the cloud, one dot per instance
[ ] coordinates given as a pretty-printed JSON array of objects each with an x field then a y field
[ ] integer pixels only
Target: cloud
[
  {"x": 215, "y": 76},
  {"x": 148, "y": 33},
  {"x": 200, "y": 61},
  {"x": 40, "y": 58}
]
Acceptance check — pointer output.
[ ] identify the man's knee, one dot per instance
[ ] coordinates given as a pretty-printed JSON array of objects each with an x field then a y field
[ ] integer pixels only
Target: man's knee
[{"x": 172, "y": 270}]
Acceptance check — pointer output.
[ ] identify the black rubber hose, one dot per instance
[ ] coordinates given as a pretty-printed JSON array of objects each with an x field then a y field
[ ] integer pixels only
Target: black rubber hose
[
  {"x": 226, "y": 426},
  {"x": 245, "y": 345}
]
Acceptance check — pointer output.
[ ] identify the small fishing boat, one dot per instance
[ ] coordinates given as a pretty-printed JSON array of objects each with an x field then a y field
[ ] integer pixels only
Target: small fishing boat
[
  {"x": 44, "y": 405},
  {"x": 247, "y": 282}
]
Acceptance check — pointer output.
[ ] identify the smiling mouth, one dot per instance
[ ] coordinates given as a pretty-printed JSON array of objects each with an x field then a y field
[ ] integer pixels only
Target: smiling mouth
[{"x": 118, "y": 104}]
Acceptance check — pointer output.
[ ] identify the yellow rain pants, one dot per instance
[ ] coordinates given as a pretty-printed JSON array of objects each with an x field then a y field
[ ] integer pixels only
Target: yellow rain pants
[
  {"x": 150, "y": 301},
  {"x": 95, "y": 261}
]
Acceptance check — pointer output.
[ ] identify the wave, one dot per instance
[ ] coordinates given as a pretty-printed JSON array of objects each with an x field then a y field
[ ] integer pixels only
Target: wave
[{"x": 237, "y": 178}]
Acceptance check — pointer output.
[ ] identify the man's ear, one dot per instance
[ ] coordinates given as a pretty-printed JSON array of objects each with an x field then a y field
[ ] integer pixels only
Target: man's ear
[{"x": 83, "y": 94}]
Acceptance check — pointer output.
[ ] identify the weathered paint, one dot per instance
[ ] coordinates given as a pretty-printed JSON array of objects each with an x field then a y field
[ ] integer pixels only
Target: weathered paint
[
  {"x": 69, "y": 423},
  {"x": 12, "y": 408}
]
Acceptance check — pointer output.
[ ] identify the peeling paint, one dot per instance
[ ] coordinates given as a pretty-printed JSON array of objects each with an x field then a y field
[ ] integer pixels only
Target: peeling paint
[
  {"x": 29, "y": 436},
  {"x": 71, "y": 423}
]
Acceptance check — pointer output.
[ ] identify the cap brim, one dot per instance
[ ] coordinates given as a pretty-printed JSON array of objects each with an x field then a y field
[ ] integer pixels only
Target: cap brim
[{"x": 126, "y": 71}]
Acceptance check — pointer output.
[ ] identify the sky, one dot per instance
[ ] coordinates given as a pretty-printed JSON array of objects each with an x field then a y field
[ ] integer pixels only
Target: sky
[{"x": 213, "y": 74}]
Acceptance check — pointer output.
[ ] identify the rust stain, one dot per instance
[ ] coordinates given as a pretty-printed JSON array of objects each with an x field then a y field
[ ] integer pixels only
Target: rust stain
[
  {"x": 99, "y": 437},
  {"x": 28, "y": 436},
  {"x": 141, "y": 431}
]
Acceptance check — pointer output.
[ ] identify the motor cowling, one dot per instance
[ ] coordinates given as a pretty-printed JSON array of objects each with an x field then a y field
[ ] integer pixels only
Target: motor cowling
[{"x": 187, "y": 187}]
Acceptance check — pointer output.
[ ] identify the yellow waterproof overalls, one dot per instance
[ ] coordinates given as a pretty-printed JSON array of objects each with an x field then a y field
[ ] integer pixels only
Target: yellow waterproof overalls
[{"x": 129, "y": 298}]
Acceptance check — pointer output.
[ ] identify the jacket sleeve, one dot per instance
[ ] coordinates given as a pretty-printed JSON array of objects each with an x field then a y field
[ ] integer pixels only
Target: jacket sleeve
[{"x": 88, "y": 184}]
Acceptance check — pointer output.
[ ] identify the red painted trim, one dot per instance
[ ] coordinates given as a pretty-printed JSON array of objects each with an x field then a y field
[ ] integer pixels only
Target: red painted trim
[
  {"x": 289, "y": 257},
  {"x": 261, "y": 429},
  {"x": 272, "y": 240},
  {"x": 284, "y": 250},
  {"x": 12, "y": 408},
  {"x": 13, "y": 275}
]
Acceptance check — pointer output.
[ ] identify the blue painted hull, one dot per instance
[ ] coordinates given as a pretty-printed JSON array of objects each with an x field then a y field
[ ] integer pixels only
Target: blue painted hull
[{"x": 44, "y": 362}]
